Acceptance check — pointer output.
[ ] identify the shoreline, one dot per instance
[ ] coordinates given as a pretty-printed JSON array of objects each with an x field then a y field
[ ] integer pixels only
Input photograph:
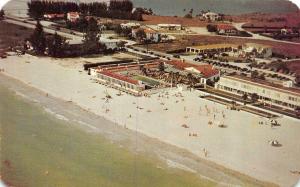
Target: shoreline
[
  {"x": 173, "y": 156},
  {"x": 242, "y": 146}
]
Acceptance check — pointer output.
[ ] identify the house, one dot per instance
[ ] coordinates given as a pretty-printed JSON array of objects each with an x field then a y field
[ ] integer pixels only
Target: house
[
  {"x": 211, "y": 16},
  {"x": 284, "y": 96},
  {"x": 226, "y": 29},
  {"x": 169, "y": 27},
  {"x": 54, "y": 16},
  {"x": 109, "y": 43},
  {"x": 131, "y": 25},
  {"x": 73, "y": 16},
  {"x": 151, "y": 34}
]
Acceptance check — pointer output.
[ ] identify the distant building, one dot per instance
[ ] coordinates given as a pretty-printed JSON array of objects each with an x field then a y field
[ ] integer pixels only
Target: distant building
[
  {"x": 226, "y": 29},
  {"x": 263, "y": 51},
  {"x": 286, "y": 31},
  {"x": 284, "y": 95},
  {"x": 109, "y": 43},
  {"x": 151, "y": 34},
  {"x": 170, "y": 26},
  {"x": 131, "y": 25},
  {"x": 73, "y": 16},
  {"x": 212, "y": 48},
  {"x": 211, "y": 16},
  {"x": 54, "y": 16}
]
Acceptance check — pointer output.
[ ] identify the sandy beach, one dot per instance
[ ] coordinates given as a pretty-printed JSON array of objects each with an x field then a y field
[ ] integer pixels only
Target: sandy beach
[{"x": 243, "y": 146}]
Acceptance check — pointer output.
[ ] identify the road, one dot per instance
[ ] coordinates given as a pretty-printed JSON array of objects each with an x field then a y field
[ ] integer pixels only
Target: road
[
  {"x": 75, "y": 37},
  {"x": 259, "y": 37}
]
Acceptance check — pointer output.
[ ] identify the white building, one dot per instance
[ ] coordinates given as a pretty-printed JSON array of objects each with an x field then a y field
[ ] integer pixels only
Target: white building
[
  {"x": 283, "y": 95},
  {"x": 211, "y": 16},
  {"x": 169, "y": 26},
  {"x": 151, "y": 34},
  {"x": 109, "y": 43},
  {"x": 73, "y": 16},
  {"x": 118, "y": 81},
  {"x": 132, "y": 25}
]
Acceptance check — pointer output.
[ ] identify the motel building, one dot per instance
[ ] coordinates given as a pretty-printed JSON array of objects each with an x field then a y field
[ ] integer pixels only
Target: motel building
[
  {"x": 284, "y": 96},
  {"x": 212, "y": 48},
  {"x": 204, "y": 72},
  {"x": 118, "y": 81}
]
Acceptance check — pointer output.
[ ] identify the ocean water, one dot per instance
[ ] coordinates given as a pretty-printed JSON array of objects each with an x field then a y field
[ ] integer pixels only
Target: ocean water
[{"x": 38, "y": 149}]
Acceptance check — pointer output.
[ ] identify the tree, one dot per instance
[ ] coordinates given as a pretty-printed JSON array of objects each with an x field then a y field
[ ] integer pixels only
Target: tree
[
  {"x": 140, "y": 34},
  {"x": 2, "y": 14},
  {"x": 161, "y": 67},
  {"x": 91, "y": 38},
  {"x": 254, "y": 74},
  {"x": 188, "y": 16},
  {"x": 56, "y": 45},
  {"x": 211, "y": 28},
  {"x": 254, "y": 97},
  {"x": 121, "y": 44},
  {"x": 38, "y": 39},
  {"x": 245, "y": 97}
]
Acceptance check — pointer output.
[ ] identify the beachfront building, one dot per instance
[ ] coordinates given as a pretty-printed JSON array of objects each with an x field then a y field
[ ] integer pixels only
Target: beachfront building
[
  {"x": 212, "y": 48},
  {"x": 205, "y": 72},
  {"x": 118, "y": 81},
  {"x": 226, "y": 29},
  {"x": 177, "y": 27},
  {"x": 284, "y": 95},
  {"x": 72, "y": 16}
]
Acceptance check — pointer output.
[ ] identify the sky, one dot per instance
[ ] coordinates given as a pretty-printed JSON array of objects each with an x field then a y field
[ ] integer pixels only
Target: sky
[{"x": 297, "y": 2}]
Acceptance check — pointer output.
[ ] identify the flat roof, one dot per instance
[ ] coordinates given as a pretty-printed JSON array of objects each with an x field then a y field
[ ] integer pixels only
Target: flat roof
[
  {"x": 213, "y": 46},
  {"x": 119, "y": 77},
  {"x": 266, "y": 84}
]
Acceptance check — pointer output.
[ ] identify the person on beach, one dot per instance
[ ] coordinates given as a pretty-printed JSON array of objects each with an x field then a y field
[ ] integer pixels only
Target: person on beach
[{"x": 205, "y": 152}]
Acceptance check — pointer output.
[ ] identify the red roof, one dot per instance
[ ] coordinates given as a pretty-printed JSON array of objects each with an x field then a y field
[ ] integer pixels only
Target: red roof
[
  {"x": 120, "y": 77},
  {"x": 225, "y": 27},
  {"x": 206, "y": 70},
  {"x": 150, "y": 31}
]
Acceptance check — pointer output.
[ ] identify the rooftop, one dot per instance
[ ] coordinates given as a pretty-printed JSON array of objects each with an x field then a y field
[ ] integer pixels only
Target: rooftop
[
  {"x": 206, "y": 70},
  {"x": 214, "y": 46},
  {"x": 225, "y": 27},
  {"x": 120, "y": 77},
  {"x": 265, "y": 83}
]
